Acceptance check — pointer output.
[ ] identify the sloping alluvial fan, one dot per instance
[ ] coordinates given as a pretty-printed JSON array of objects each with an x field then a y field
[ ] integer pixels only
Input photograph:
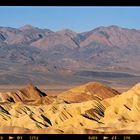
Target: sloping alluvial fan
[{"x": 31, "y": 111}]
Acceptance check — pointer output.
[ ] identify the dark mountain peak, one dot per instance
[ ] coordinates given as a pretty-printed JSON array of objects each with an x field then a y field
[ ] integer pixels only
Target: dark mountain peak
[
  {"x": 107, "y": 31},
  {"x": 30, "y": 28},
  {"x": 105, "y": 28},
  {"x": 26, "y": 27},
  {"x": 9, "y": 29},
  {"x": 66, "y": 31},
  {"x": 120, "y": 28},
  {"x": 113, "y": 26}
]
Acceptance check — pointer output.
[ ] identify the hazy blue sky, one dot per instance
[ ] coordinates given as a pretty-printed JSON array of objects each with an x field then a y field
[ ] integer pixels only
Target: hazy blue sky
[{"x": 76, "y": 18}]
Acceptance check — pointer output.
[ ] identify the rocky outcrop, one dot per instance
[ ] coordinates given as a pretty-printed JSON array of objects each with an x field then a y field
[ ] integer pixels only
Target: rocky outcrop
[
  {"x": 125, "y": 108},
  {"x": 89, "y": 91},
  {"x": 28, "y": 95}
]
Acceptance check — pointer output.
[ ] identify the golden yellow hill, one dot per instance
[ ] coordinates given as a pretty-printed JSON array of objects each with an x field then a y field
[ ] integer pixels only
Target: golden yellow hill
[
  {"x": 35, "y": 112},
  {"x": 28, "y": 95},
  {"x": 123, "y": 110},
  {"x": 86, "y": 92}
]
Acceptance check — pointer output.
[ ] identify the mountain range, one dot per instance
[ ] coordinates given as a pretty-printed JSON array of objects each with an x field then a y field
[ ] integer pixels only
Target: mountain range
[{"x": 40, "y": 56}]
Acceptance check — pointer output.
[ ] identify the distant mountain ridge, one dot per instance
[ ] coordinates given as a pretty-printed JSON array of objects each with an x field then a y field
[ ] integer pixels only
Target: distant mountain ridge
[{"x": 110, "y": 48}]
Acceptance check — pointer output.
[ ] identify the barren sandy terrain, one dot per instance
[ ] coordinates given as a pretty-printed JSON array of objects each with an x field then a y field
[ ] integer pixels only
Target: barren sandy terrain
[{"x": 91, "y": 108}]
